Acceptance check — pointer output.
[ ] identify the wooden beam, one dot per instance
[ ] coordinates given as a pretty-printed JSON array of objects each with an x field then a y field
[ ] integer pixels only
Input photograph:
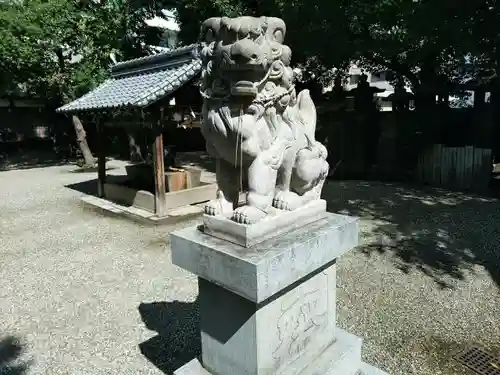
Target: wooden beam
[
  {"x": 101, "y": 160},
  {"x": 159, "y": 171}
]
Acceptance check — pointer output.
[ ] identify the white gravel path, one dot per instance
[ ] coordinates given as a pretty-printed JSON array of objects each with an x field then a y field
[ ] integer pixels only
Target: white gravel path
[
  {"x": 71, "y": 280},
  {"x": 88, "y": 294}
]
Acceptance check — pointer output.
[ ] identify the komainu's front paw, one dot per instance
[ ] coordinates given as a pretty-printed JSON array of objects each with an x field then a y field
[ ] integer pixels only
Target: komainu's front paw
[
  {"x": 248, "y": 215},
  {"x": 212, "y": 208},
  {"x": 287, "y": 200},
  {"x": 219, "y": 206}
]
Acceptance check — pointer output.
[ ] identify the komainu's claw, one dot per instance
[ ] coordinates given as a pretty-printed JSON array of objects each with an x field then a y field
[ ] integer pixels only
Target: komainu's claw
[
  {"x": 248, "y": 215},
  {"x": 286, "y": 200},
  {"x": 219, "y": 206}
]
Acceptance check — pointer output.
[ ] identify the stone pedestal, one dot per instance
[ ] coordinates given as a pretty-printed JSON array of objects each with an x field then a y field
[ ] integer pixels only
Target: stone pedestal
[{"x": 269, "y": 309}]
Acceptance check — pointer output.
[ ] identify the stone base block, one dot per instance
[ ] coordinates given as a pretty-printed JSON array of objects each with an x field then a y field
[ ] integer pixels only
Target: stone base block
[
  {"x": 145, "y": 200},
  {"x": 287, "y": 331},
  {"x": 193, "y": 367},
  {"x": 278, "y": 222},
  {"x": 265, "y": 269},
  {"x": 269, "y": 309},
  {"x": 341, "y": 357},
  {"x": 367, "y": 369}
]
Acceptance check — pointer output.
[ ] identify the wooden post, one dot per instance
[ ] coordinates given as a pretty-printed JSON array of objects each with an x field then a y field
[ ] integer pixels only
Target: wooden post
[
  {"x": 479, "y": 96},
  {"x": 101, "y": 159},
  {"x": 159, "y": 171}
]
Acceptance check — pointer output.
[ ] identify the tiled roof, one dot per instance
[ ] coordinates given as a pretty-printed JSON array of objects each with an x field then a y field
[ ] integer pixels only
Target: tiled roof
[{"x": 141, "y": 82}]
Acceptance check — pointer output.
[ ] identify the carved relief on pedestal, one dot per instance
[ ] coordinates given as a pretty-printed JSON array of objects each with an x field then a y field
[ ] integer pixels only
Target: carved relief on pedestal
[
  {"x": 301, "y": 320},
  {"x": 259, "y": 130}
]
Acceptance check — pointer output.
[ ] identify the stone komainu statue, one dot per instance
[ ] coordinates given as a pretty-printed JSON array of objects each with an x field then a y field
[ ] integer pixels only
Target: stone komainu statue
[{"x": 259, "y": 130}]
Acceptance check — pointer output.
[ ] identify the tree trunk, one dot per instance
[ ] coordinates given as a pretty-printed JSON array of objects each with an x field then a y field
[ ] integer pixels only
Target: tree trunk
[{"x": 81, "y": 138}]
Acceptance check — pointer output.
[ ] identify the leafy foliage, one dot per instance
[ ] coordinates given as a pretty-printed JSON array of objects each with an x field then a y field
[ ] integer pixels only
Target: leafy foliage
[
  {"x": 418, "y": 39},
  {"x": 59, "y": 49}
]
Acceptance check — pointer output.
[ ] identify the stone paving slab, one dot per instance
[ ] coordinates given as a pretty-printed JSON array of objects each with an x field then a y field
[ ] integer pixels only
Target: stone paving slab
[{"x": 134, "y": 213}]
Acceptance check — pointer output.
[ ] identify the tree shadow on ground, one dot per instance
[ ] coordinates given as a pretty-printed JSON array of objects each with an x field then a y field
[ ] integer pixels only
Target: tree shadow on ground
[
  {"x": 31, "y": 159},
  {"x": 178, "y": 340},
  {"x": 437, "y": 232},
  {"x": 11, "y": 349}
]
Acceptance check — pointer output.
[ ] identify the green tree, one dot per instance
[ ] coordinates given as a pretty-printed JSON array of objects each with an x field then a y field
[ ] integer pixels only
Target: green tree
[
  {"x": 60, "y": 49},
  {"x": 418, "y": 39}
]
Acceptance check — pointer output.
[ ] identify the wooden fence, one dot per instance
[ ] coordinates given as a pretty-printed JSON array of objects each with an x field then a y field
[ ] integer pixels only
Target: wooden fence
[{"x": 464, "y": 168}]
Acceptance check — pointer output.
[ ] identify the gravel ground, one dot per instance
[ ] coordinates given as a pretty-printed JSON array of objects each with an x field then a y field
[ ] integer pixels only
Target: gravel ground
[
  {"x": 72, "y": 280},
  {"x": 425, "y": 283},
  {"x": 83, "y": 293}
]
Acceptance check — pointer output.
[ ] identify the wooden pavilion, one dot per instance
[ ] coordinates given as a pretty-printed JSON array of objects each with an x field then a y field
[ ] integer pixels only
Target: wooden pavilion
[{"x": 139, "y": 94}]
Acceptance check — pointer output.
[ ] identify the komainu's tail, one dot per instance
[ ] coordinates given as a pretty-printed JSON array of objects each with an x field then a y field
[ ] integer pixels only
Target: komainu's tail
[{"x": 307, "y": 113}]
